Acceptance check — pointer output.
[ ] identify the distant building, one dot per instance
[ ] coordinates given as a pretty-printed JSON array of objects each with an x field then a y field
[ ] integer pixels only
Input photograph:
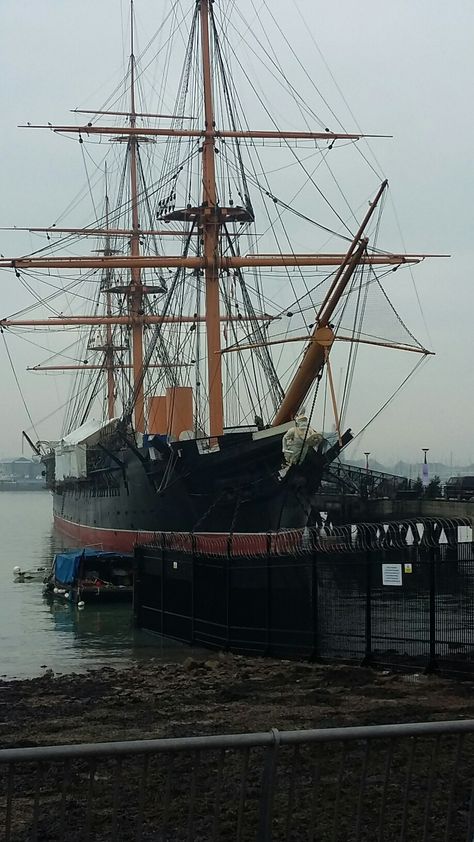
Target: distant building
[{"x": 20, "y": 468}]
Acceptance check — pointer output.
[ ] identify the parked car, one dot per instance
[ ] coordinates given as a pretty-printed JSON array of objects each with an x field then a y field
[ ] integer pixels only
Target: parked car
[{"x": 459, "y": 488}]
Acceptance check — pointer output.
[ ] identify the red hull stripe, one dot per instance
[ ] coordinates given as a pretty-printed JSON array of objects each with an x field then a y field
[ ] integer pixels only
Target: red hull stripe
[
  {"x": 210, "y": 543},
  {"x": 123, "y": 540}
]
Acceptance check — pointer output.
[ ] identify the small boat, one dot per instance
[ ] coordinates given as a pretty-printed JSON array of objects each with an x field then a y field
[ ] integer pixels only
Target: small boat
[
  {"x": 89, "y": 575},
  {"x": 35, "y": 574}
]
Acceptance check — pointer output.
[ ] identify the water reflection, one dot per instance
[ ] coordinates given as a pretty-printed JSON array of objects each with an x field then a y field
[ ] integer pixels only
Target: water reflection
[
  {"x": 35, "y": 632},
  {"x": 104, "y": 628}
]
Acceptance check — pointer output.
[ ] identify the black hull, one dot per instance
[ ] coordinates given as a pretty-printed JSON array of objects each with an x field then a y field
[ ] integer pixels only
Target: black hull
[{"x": 238, "y": 488}]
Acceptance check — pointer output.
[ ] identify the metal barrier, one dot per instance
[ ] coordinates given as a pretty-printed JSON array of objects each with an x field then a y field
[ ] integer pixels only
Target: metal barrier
[
  {"x": 397, "y": 594},
  {"x": 389, "y": 782}
]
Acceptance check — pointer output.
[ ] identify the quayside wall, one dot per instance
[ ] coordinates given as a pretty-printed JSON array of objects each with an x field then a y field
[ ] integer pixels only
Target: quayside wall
[{"x": 355, "y": 508}]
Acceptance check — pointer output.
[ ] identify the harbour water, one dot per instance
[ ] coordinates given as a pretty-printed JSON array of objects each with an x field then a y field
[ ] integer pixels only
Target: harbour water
[{"x": 36, "y": 634}]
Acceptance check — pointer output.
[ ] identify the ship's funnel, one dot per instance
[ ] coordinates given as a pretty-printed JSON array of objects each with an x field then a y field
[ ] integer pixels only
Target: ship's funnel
[
  {"x": 157, "y": 415},
  {"x": 171, "y": 414}
]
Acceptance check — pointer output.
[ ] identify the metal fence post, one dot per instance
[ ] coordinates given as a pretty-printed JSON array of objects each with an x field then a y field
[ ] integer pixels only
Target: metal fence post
[
  {"x": 228, "y": 591},
  {"x": 432, "y": 662},
  {"x": 193, "y": 588},
  {"x": 314, "y": 603},
  {"x": 269, "y": 597},
  {"x": 368, "y": 609},
  {"x": 268, "y": 789},
  {"x": 136, "y": 596},
  {"x": 162, "y": 595}
]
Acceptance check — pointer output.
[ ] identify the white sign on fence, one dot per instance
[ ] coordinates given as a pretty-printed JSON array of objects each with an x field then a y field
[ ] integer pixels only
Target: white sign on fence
[{"x": 391, "y": 574}]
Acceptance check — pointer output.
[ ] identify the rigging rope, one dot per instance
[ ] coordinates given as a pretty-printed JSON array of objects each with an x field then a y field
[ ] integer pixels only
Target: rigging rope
[
  {"x": 392, "y": 396},
  {"x": 18, "y": 385}
]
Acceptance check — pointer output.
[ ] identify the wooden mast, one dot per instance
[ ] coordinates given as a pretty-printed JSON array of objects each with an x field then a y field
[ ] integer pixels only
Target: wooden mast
[
  {"x": 136, "y": 289},
  {"x": 210, "y": 237},
  {"x": 109, "y": 349}
]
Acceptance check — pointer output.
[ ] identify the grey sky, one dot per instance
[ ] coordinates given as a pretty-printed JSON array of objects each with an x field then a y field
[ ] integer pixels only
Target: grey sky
[{"x": 405, "y": 67}]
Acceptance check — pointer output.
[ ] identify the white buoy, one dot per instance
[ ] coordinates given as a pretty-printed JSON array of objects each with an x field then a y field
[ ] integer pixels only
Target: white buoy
[
  {"x": 66, "y": 596},
  {"x": 81, "y": 604},
  {"x": 55, "y": 590}
]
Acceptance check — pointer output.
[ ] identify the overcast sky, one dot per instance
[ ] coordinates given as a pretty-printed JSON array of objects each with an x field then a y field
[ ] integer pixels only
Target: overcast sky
[{"x": 406, "y": 68}]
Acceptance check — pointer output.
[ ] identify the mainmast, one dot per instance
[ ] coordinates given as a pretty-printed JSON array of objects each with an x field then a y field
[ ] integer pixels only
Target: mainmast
[
  {"x": 136, "y": 288},
  {"x": 210, "y": 237}
]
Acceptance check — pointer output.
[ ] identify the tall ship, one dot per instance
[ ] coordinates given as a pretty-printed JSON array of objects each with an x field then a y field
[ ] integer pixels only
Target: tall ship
[{"x": 213, "y": 356}]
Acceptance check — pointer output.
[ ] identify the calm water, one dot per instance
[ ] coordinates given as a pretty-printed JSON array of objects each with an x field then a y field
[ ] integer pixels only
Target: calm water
[{"x": 35, "y": 633}]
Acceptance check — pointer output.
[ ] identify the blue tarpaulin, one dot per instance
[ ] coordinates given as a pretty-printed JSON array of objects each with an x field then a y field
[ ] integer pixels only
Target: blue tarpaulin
[{"x": 66, "y": 565}]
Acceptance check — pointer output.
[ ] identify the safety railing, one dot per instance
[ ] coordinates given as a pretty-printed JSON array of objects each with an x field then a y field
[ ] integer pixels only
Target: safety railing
[
  {"x": 388, "y": 782},
  {"x": 396, "y": 594}
]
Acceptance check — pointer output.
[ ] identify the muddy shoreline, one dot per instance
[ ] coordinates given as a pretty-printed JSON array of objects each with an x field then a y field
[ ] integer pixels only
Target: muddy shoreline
[
  {"x": 231, "y": 694},
  {"x": 223, "y": 694}
]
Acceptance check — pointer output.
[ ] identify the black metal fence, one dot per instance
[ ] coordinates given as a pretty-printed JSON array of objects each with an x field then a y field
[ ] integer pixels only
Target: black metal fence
[
  {"x": 366, "y": 482},
  {"x": 412, "y": 782},
  {"x": 369, "y": 593}
]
